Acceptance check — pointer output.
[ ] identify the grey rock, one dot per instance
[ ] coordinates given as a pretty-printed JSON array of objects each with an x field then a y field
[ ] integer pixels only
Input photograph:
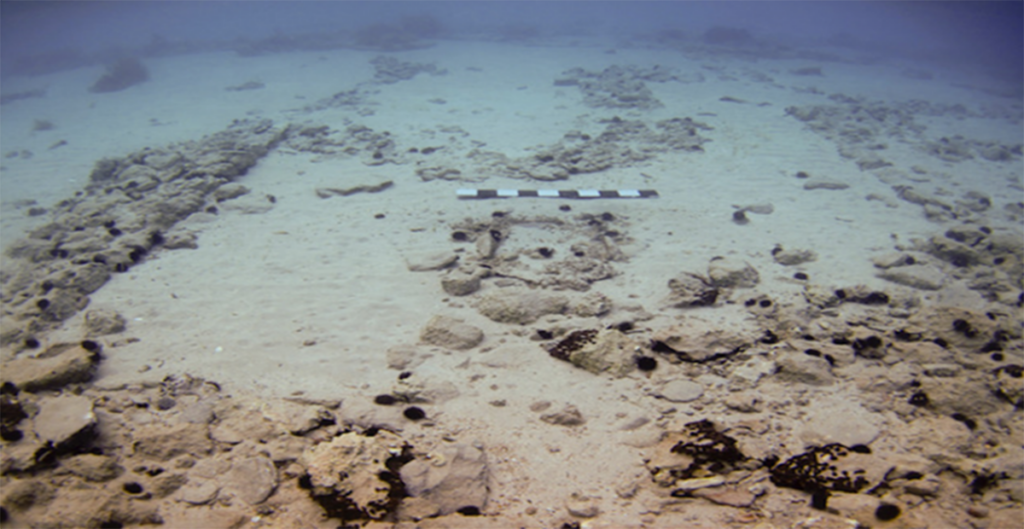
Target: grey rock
[
  {"x": 431, "y": 261},
  {"x": 822, "y": 183},
  {"x": 928, "y": 486},
  {"x": 11, "y": 332},
  {"x": 181, "y": 240},
  {"x": 298, "y": 418},
  {"x": 726, "y": 272},
  {"x": 92, "y": 467},
  {"x": 1015, "y": 488},
  {"x": 400, "y": 356},
  {"x": 349, "y": 467},
  {"x": 569, "y": 416},
  {"x": 941, "y": 370},
  {"x": 164, "y": 443},
  {"x": 64, "y": 303},
  {"x": 198, "y": 413},
  {"x": 309, "y": 418},
  {"x": 85, "y": 279},
  {"x": 892, "y": 260},
  {"x": 65, "y": 420},
  {"x": 248, "y": 205},
  {"x": 454, "y": 477},
  {"x": 836, "y": 420},
  {"x": 520, "y": 306},
  {"x": 1008, "y": 385},
  {"x": 593, "y": 304},
  {"x": 692, "y": 343},
  {"x": 680, "y": 391},
  {"x": 99, "y": 322},
  {"x": 460, "y": 283},
  {"x": 692, "y": 290},
  {"x": 582, "y": 506},
  {"x": 251, "y": 479},
  {"x": 970, "y": 395},
  {"x": 794, "y": 257},
  {"x": 61, "y": 364},
  {"x": 922, "y": 277},
  {"x": 608, "y": 351},
  {"x": 800, "y": 368},
  {"x": 225, "y": 433},
  {"x": 452, "y": 333},
  {"x": 229, "y": 191},
  {"x": 487, "y": 245},
  {"x": 956, "y": 253},
  {"x": 198, "y": 492},
  {"x": 327, "y": 192}
]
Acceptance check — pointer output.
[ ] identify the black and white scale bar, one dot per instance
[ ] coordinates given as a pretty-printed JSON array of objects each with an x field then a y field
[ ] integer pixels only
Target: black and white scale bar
[{"x": 556, "y": 193}]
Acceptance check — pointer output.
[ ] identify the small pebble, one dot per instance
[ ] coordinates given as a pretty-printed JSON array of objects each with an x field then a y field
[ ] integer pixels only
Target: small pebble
[{"x": 977, "y": 511}]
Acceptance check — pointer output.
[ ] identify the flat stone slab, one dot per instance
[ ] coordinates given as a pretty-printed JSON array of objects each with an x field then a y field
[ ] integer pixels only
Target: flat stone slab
[{"x": 680, "y": 391}]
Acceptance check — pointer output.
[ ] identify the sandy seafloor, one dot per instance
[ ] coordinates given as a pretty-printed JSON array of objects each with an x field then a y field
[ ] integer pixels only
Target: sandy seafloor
[{"x": 304, "y": 296}]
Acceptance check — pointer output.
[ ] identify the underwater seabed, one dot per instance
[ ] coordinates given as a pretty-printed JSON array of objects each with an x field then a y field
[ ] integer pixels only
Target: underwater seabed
[{"x": 261, "y": 302}]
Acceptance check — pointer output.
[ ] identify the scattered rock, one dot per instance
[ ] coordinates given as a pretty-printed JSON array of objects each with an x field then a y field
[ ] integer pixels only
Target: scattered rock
[
  {"x": 581, "y": 506},
  {"x": 198, "y": 492},
  {"x": 299, "y": 418},
  {"x": 726, "y": 272},
  {"x": 922, "y": 277},
  {"x": 355, "y": 477},
  {"x": 520, "y": 306},
  {"x": 24, "y": 494},
  {"x": 598, "y": 351},
  {"x": 1007, "y": 383},
  {"x": 731, "y": 496},
  {"x": 445, "y": 331},
  {"x": 164, "y": 442},
  {"x": 569, "y": 416},
  {"x": 692, "y": 290},
  {"x": 892, "y": 260},
  {"x": 822, "y": 183},
  {"x": 452, "y": 478},
  {"x": 181, "y": 240},
  {"x": 251, "y": 479},
  {"x": 837, "y": 419},
  {"x": 92, "y": 467},
  {"x": 401, "y": 357},
  {"x": 688, "y": 342},
  {"x": 229, "y": 191},
  {"x": 328, "y": 192},
  {"x": 680, "y": 391},
  {"x": 99, "y": 322},
  {"x": 796, "y": 367},
  {"x": 793, "y": 257},
  {"x": 59, "y": 365},
  {"x": 65, "y": 422},
  {"x": 458, "y": 283},
  {"x": 699, "y": 449},
  {"x": 431, "y": 261},
  {"x": 616, "y": 86},
  {"x": 592, "y": 304}
]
